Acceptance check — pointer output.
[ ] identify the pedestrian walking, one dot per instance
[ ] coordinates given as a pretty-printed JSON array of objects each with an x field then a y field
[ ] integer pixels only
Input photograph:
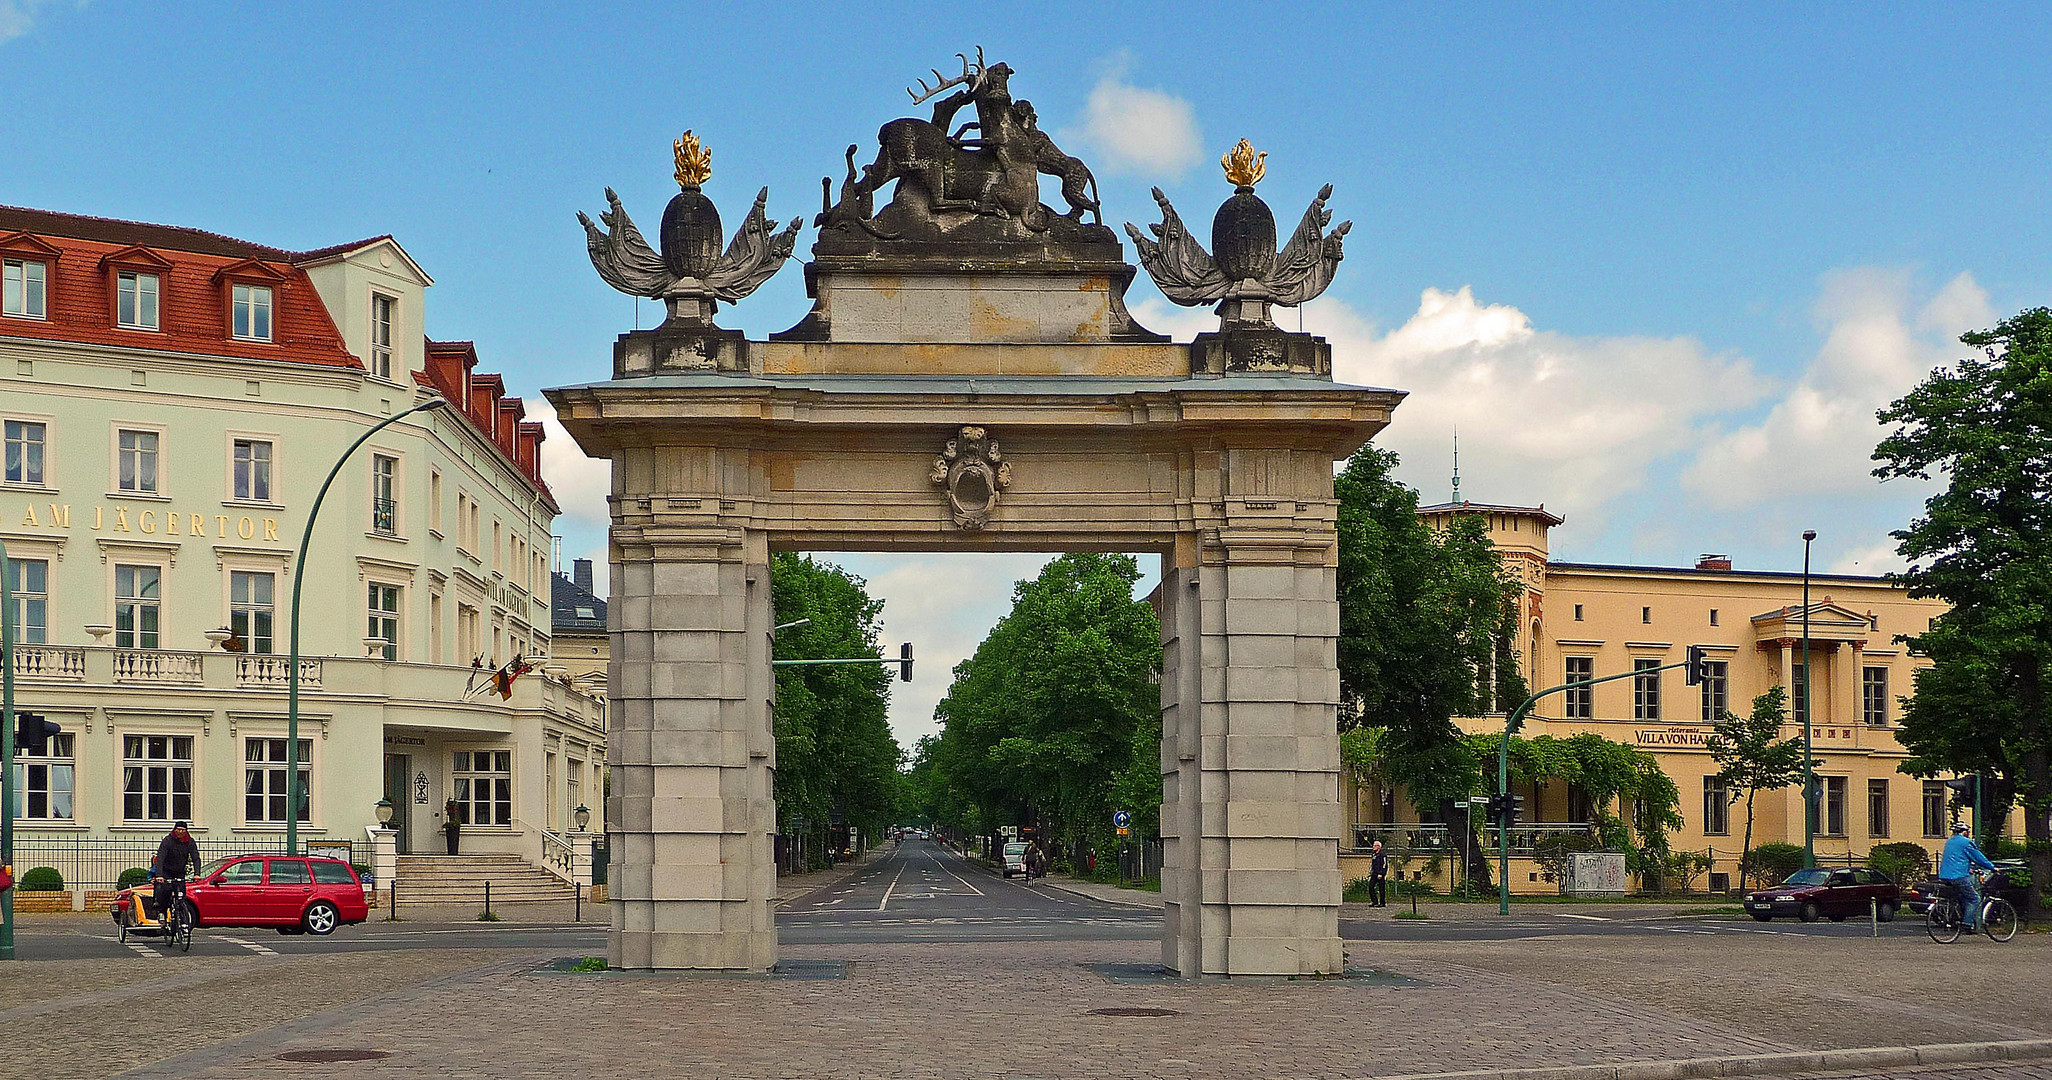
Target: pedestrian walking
[{"x": 1378, "y": 878}]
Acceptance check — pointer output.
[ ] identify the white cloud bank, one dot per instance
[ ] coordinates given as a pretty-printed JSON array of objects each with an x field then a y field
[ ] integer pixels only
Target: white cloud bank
[
  {"x": 18, "y": 17},
  {"x": 1136, "y": 130}
]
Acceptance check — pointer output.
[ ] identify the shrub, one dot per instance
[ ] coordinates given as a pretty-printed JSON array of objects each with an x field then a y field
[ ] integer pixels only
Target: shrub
[
  {"x": 1405, "y": 888},
  {"x": 1356, "y": 891},
  {"x": 131, "y": 877},
  {"x": 1769, "y": 863},
  {"x": 41, "y": 879},
  {"x": 1904, "y": 863},
  {"x": 1675, "y": 871}
]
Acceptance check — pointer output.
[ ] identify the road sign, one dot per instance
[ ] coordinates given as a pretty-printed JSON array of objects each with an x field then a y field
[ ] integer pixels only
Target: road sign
[{"x": 1122, "y": 819}]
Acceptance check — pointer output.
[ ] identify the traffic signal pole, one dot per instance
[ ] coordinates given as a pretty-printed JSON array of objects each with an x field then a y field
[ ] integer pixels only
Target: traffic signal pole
[
  {"x": 6, "y": 747},
  {"x": 1510, "y": 727}
]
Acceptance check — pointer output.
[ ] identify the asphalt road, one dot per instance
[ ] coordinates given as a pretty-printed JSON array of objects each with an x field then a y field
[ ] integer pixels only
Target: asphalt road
[{"x": 920, "y": 892}]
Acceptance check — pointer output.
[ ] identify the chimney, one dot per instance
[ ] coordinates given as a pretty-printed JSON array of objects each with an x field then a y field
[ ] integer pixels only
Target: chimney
[
  {"x": 580, "y": 570},
  {"x": 1713, "y": 562}
]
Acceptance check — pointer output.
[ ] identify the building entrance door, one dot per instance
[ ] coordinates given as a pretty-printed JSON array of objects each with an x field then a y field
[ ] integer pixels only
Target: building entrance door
[{"x": 397, "y": 768}]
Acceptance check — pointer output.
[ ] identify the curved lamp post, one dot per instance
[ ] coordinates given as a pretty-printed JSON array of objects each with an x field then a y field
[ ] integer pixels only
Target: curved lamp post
[
  {"x": 1811, "y": 803},
  {"x": 292, "y": 792}
]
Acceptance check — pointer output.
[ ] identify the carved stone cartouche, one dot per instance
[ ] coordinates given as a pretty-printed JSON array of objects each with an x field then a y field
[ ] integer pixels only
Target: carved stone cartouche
[{"x": 975, "y": 473}]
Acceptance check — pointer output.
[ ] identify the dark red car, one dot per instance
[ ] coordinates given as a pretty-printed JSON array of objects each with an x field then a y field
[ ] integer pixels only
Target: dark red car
[
  {"x": 1834, "y": 894},
  {"x": 295, "y": 894}
]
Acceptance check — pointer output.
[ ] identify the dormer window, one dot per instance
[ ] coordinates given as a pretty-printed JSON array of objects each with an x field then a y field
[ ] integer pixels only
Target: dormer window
[
  {"x": 381, "y": 335},
  {"x": 136, "y": 300},
  {"x": 24, "y": 288},
  {"x": 251, "y": 312}
]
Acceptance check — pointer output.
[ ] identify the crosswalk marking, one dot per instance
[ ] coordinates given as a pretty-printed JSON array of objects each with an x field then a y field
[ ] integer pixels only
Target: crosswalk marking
[
  {"x": 139, "y": 949},
  {"x": 252, "y": 946}
]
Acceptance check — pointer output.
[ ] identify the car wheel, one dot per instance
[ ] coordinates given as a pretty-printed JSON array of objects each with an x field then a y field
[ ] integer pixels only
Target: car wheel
[
  {"x": 1762, "y": 916},
  {"x": 1808, "y": 912},
  {"x": 1884, "y": 911},
  {"x": 321, "y": 918}
]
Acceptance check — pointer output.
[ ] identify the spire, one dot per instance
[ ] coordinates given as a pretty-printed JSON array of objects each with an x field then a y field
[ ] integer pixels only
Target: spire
[{"x": 1457, "y": 467}]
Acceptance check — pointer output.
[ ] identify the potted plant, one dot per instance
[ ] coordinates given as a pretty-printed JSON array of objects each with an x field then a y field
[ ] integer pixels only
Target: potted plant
[{"x": 450, "y": 826}]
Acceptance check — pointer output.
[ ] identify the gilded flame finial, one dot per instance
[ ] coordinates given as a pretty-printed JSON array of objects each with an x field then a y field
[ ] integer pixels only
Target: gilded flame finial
[
  {"x": 694, "y": 162},
  {"x": 1243, "y": 167}
]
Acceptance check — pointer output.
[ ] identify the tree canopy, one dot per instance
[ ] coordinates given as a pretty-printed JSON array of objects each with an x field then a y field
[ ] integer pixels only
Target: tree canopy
[{"x": 1984, "y": 546}]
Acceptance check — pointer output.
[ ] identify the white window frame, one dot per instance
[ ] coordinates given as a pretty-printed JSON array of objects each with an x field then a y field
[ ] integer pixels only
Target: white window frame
[
  {"x": 1716, "y": 690},
  {"x": 1646, "y": 688},
  {"x": 270, "y": 469},
  {"x": 272, "y": 773},
  {"x": 15, "y": 282},
  {"x": 1873, "y": 705},
  {"x": 246, "y": 302},
  {"x": 392, "y": 482},
  {"x": 129, "y": 289},
  {"x": 37, "y": 774},
  {"x": 1579, "y": 703},
  {"x": 384, "y": 313},
  {"x": 247, "y": 610},
  {"x": 1716, "y": 807},
  {"x": 435, "y": 502},
  {"x": 464, "y": 777},
  {"x": 171, "y": 764},
  {"x": 388, "y": 624},
  {"x": 41, "y": 482},
  {"x": 140, "y": 603},
  {"x": 27, "y": 632},
  {"x": 157, "y": 460}
]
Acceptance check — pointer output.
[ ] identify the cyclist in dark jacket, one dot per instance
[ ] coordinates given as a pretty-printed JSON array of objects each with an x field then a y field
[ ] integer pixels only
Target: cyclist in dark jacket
[{"x": 177, "y": 856}]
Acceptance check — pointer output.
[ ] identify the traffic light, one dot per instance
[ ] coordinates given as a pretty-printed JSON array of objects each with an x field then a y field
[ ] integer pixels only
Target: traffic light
[
  {"x": 1698, "y": 669},
  {"x": 905, "y": 662},
  {"x": 32, "y": 733},
  {"x": 1513, "y": 809},
  {"x": 1964, "y": 789}
]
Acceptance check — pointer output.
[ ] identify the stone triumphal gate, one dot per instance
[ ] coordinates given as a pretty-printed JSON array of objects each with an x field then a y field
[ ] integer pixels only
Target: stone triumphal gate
[{"x": 969, "y": 379}]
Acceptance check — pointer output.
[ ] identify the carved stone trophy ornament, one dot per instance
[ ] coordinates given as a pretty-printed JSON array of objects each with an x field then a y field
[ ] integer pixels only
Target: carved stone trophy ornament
[
  {"x": 691, "y": 275},
  {"x": 1244, "y": 273},
  {"x": 974, "y": 473}
]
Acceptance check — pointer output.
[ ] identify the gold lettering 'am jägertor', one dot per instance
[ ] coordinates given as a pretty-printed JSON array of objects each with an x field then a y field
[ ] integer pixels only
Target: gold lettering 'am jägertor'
[
  {"x": 1244, "y": 167},
  {"x": 694, "y": 162}
]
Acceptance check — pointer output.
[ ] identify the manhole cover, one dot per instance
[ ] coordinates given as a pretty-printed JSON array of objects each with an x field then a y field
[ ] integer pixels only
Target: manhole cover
[
  {"x": 1134, "y": 1012},
  {"x": 324, "y": 1056}
]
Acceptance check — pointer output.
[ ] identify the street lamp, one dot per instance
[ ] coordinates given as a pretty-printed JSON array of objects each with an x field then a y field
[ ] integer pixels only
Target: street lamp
[
  {"x": 582, "y": 815},
  {"x": 384, "y": 812},
  {"x": 292, "y": 792},
  {"x": 1810, "y": 807}
]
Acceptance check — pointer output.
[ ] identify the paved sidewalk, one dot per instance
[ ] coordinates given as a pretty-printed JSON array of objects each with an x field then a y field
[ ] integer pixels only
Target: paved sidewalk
[{"x": 1110, "y": 894}]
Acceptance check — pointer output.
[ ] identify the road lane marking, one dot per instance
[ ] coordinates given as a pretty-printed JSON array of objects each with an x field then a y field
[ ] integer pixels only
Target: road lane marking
[
  {"x": 960, "y": 878},
  {"x": 886, "y": 901},
  {"x": 1591, "y": 918},
  {"x": 142, "y": 950},
  {"x": 252, "y": 946}
]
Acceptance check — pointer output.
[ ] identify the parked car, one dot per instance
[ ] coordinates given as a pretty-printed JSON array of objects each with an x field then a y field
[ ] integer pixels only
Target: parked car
[
  {"x": 1015, "y": 858},
  {"x": 294, "y": 894},
  {"x": 1834, "y": 894},
  {"x": 2000, "y": 883}
]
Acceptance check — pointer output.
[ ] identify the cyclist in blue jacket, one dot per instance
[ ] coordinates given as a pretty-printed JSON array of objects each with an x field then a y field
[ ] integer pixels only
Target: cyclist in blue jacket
[{"x": 1956, "y": 867}]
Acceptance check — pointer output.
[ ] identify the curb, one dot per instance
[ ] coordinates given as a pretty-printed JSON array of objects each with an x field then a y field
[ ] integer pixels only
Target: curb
[
  {"x": 1121, "y": 901},
  {"x": 1869, "y": 1057}
]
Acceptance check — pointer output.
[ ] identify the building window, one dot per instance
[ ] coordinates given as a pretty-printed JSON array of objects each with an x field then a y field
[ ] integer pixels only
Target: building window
[
  {"x": 467, "y": 644},
  {"x": 156, "y": 777},
  {"x": 1798, "y": 693},
  {"x": 435, "y": 501},
  {"x": 1877, "y": 808},
  {"x": 1713, "y": 616},
  {"x": 138, "y": 454},
  {"x": 1934, "y": 809},
  {"x": 26, "y": 442},
  {"x": 435, "y": 638},
  {"x": 1716, "y": 690},
  {"x": 1874, "y": 696},
  {"x": 1581, "y": 700},
  {"x": 137, "y": 592},
  {"x": 1645, "y": 689},
  {"x": 250, "y": 608},
  {"x": 266, "y": 777},
  {"x": 384, "y": 488},
  {"x": 252, "y": 470},
  {"x": 381, "y": 335},
  {"x": 1645, "y": 615},
  {"x": 45, "y": 781},
  {"x": 1716, "y": 807},
  {"x": 31, "y": 585},
  {"x": 1834, "y": 805},
  {"x": 484, "y": 787},
  {"x": 24, "y": 289},
  {"x": 384, "y": 618},
  {"x": 137, "y": 302},
  {"x": 1578, "y": 613},
  {"x": 251, "y": 305}
]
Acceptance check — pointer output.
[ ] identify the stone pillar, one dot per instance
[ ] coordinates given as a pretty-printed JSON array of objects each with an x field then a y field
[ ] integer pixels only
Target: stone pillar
[
  {"x": 691, "y": 750},
  {"x": 1250, "y": 758}
]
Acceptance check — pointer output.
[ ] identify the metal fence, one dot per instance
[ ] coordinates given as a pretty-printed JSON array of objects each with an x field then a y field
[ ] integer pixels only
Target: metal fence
[{"x": 95, "y": 863}]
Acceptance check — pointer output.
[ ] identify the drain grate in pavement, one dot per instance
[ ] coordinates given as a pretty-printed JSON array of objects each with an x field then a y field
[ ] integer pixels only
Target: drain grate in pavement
[
  {"x": 330, "y": 1056},
  {"x": 1157, "y": 975},
  {"x": 1134, "y": 1012}
]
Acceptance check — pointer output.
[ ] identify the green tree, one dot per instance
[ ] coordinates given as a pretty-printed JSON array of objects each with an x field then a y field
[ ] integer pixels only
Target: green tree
[
  {"x": 1984, "y": 546},
  {"x": 1056, "y": 718},
  {"x": 1752, "y": 756},
  {"x": 837, "y": 762},
  {"x": 1426, "y": 622}
]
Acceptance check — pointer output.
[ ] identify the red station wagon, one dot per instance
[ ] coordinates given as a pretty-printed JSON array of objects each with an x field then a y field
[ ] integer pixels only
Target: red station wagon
[{"x": 295, "y": 894}]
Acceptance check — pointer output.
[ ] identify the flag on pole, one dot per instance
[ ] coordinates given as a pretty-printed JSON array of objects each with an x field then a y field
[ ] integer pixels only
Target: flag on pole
[{"x": 502, "y": 679}]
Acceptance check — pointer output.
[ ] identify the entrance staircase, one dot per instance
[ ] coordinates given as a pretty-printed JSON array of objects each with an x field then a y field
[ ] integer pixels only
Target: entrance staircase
[{"x": 460, "y": 879}]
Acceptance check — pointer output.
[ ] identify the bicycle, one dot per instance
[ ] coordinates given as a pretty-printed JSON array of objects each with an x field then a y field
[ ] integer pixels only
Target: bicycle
[
  {"x": 179, "y": 917},
  {"x": 1944, "y": 919}
]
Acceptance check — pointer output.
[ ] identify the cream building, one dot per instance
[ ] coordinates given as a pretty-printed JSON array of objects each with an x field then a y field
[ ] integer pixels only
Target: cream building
[
  {"x": 1585, "y": 620},
  {"x": 172, "y": 399}
]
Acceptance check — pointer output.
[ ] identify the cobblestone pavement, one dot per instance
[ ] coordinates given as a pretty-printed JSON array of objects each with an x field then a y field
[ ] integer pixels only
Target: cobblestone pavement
[{"x": 2001, "y": 1070}]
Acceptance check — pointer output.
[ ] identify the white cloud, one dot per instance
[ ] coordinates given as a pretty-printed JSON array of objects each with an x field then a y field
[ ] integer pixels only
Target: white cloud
[
  {"x": 1879, "y": 341},
  {"x": 579, "y": 483},
  {"x": 18, "y": 17},
  {"x": 1138, "y": 130},
  {"x": 1878, "y": 558}
]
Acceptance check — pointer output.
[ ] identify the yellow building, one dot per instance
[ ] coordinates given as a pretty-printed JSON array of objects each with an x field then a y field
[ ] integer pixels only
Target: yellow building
[{"x": 1585, "y": 620}]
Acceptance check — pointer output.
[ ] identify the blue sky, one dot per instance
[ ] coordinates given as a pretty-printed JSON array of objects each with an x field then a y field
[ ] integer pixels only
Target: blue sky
[{"x": 1658, "y": 266}]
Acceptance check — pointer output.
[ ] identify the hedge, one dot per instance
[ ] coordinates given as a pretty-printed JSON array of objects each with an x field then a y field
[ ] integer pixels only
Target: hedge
[
  {"x": 41, "y": 879},
  {"x": 131, "y": 877}
]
